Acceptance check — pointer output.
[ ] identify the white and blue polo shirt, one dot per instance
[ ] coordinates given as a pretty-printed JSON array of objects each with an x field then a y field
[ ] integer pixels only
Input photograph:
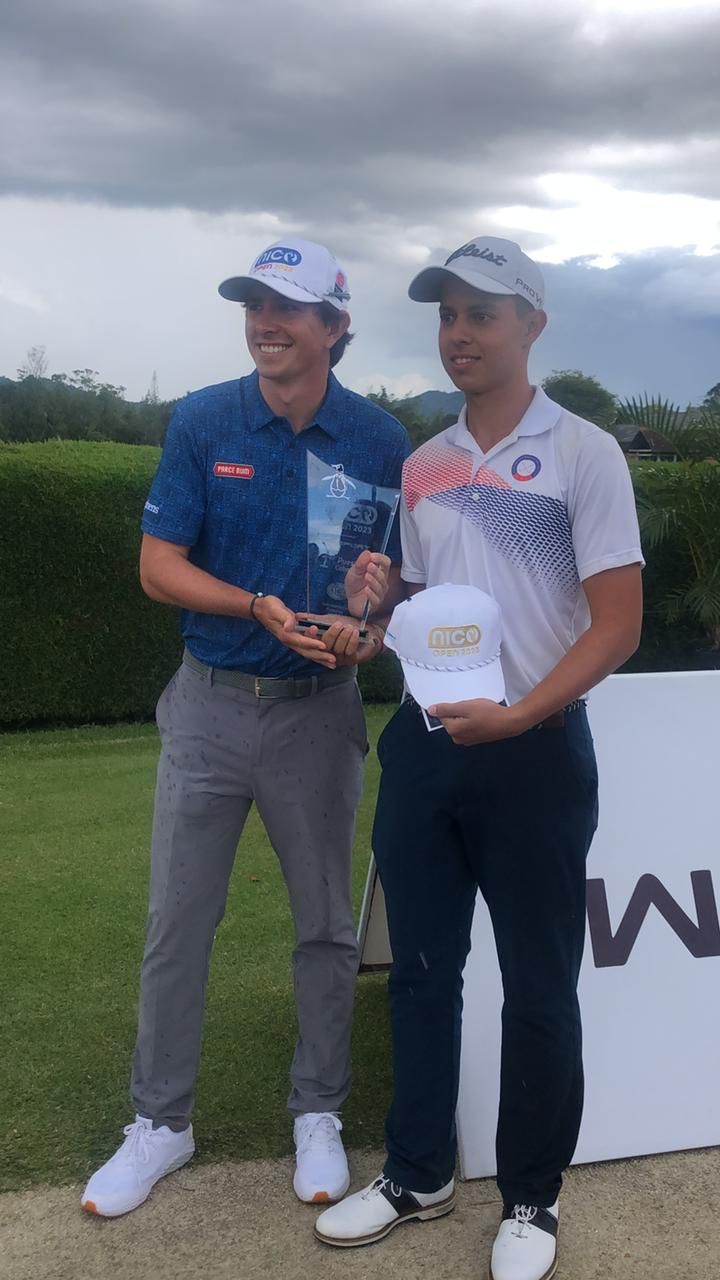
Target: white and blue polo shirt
[
  {"x": 232, "y": 486},
  {"x": 527, "y": 522}
]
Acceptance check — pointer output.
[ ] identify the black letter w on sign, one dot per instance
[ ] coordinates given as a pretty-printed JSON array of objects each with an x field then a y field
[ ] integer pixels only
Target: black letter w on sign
[{"x": 701, "y": 939}]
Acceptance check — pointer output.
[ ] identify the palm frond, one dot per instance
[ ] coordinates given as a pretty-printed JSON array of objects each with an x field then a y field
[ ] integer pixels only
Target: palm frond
[
  {"x": 656, "y": 522},
  {"x": 657, "y": 414}
]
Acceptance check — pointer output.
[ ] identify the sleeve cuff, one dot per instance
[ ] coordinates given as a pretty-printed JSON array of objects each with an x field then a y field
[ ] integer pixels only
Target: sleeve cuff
[
  {"x": 617, "y": 561},
  {"x": 180, "y": 538}
]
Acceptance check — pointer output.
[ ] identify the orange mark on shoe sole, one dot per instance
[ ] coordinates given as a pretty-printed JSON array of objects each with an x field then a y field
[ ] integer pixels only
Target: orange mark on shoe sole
[
  {"x": 321, "y": 1197},
  {"x": 89, "y": 1206}
]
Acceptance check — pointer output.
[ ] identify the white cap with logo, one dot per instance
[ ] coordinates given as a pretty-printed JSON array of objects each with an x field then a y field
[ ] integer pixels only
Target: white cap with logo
[
  {"x": 297, "y": 269},
  {"x": 488, "y": 264},
  {"x": 448, "y": 641}
]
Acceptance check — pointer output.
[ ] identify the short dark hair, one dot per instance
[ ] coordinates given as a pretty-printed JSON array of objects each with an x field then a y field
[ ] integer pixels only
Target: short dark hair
[
  {"x": 329, "y": 316},
  {"x": 522, "y": 306}
]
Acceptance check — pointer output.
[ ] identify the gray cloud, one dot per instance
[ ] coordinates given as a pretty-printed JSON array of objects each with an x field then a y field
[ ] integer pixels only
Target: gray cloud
[
  {"x": 652, "y": 324},
  {"x": 127, "y": 292},
  {"x": 345, "y": 112},
  {"x": 385, "y": 128}
]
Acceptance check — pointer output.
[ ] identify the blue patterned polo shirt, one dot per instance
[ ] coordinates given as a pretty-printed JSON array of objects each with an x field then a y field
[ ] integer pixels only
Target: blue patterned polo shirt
[{"x": 232, "y": 486}]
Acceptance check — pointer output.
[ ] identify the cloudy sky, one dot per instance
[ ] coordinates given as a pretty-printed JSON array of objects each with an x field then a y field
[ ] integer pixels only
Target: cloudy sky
[{"x": 152, "y": 148}]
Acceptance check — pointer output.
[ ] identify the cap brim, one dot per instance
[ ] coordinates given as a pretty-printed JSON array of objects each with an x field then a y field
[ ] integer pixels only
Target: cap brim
[
  {"x": 429, "y": 283},
  {"x": 240, "y": 288},
  {"x": 429, "y": 687},
  {"x": 243, "y": 288}
]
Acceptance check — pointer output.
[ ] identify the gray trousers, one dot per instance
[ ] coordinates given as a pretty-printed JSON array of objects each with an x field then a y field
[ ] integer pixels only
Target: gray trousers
[{"x": 301, "y": 762}]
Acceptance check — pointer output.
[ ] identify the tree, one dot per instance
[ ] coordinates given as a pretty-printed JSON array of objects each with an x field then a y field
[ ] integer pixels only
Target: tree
[
  {"x": 418, "y": 428},
  {"x": 35, "y": 364},
  {"x": 712, "y": 399},
  {"x": 679, "y": 503},
  {"x": 152, "y": 395},
  {"x": 87, "y": 380},
  {"x": 77, "y": 406},
  {"x": 579, "y": 393}
]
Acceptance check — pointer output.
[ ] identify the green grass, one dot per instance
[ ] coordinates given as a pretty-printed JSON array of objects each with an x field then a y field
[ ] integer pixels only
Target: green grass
[{"x": 75, "y": 814}]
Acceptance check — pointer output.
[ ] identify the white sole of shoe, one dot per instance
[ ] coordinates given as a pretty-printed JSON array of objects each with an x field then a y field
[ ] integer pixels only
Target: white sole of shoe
[
  {"x": 322, "y": 1197},
  {"x": 547, "y": 1275},
  {"x": 89, "y": 1206},
  {"x": 422, "y": 1215}
]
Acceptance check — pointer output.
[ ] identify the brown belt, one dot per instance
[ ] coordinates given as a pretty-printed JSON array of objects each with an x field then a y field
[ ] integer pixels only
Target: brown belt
[{"x": 557, "y": 719}]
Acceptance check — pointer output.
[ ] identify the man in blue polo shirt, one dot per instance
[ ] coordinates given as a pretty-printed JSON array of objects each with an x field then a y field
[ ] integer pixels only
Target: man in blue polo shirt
[{"x": 260, "y": 711}]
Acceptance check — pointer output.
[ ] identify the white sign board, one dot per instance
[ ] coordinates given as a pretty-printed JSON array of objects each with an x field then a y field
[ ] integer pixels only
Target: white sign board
[
  {"x": 651, "y": 974},
  {"x": 373, "y": 937}
]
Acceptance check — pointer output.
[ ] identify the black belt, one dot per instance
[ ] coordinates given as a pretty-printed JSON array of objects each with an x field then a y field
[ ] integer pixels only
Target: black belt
[{"x": 269, "y": 686}]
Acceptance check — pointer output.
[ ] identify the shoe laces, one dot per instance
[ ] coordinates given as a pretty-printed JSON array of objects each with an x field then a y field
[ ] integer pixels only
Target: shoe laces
[
  {"x": 319, "y": 1130},
  {"x": 136, "y": 1146},
  {"x": 380, "y": 1184},
  {"x": 522, "y": 1216}
]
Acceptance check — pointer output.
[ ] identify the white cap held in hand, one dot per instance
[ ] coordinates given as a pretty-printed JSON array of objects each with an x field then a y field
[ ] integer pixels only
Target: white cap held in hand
[{"x": 448, "y": 641}]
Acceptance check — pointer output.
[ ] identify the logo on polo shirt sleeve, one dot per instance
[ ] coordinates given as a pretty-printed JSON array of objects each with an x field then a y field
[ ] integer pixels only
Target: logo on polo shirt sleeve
[
  {"x": 526, "y": 467},
  {"x": 234, "y": 470}
]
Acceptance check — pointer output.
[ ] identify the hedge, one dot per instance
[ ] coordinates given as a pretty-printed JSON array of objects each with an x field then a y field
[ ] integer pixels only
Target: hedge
[{"x": 79, "y": 640}]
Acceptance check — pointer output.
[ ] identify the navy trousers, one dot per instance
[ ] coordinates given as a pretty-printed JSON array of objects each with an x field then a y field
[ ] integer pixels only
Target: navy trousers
[{"x": 514, "y": 819}]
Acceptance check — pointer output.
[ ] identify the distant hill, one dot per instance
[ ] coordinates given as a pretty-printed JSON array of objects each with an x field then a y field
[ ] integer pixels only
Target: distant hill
[{"x": 432, "y": 402}]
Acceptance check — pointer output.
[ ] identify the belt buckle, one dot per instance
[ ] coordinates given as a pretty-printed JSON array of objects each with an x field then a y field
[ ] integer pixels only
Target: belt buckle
[{"x": 270, "y": 693}]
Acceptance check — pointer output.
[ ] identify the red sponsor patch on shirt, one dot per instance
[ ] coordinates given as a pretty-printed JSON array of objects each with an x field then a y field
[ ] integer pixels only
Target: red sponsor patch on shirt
[{"x": 234, "y": 470}]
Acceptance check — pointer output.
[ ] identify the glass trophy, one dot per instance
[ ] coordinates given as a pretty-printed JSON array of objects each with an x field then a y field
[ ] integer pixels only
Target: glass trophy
[{"x": 346, "y": 516}]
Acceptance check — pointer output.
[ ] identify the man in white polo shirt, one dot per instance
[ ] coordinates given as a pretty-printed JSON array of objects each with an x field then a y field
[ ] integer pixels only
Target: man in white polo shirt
[{"x": 534, "y": 506}]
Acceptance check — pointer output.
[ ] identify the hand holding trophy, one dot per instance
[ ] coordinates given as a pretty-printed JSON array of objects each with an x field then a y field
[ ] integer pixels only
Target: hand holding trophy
[{"x": 366, "y": 583}]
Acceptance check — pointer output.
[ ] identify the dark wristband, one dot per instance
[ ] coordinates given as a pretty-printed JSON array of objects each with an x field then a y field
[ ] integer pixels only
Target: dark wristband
[{"x": 258, "y": 596}]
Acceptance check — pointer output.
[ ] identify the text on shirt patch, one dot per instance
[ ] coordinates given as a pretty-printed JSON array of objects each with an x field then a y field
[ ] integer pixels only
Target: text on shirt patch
[{"x": 234, "y": 470}]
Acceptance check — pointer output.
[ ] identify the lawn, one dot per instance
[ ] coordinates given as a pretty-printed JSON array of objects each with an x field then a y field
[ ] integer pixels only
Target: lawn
[{"x": 75, "y": 814}]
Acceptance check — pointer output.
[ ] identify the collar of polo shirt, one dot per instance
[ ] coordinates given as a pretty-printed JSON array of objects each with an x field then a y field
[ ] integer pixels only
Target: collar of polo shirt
[
  {"x": 541, "y": 415},
  {"x": 331, "y": 416}
]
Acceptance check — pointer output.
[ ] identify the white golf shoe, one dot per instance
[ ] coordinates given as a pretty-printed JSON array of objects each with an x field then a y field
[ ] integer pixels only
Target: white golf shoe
[
  {"x": 369, "y": 1215},
  {"x": 526, "y": 1244},
  {"x": 321, "y": 1170},
  {"x": 128, "y": 1177}
]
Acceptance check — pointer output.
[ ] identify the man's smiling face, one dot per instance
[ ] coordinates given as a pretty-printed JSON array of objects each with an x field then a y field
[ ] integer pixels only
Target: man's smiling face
[{"x": 286, "y": 339}]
